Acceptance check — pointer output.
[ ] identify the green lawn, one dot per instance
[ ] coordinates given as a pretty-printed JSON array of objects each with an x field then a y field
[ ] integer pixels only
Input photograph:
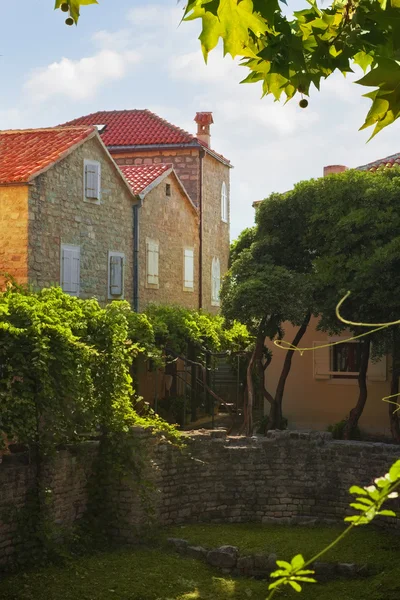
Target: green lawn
[{"x": 158, "y": 574}]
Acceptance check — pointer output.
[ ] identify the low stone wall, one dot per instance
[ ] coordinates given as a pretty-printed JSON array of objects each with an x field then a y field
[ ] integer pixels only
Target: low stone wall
[
  {"x": 228, "y": 560},
  {"x": 286, "y": 477},
  {"x": 65, "y": 478}
]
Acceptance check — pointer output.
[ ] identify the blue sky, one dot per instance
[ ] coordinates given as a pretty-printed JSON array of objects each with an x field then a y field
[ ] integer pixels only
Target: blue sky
[{"x": 132, "y": 54}]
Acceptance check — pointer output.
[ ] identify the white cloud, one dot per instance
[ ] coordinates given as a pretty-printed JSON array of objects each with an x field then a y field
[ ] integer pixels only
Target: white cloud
[{"x": 79, "y": 79}]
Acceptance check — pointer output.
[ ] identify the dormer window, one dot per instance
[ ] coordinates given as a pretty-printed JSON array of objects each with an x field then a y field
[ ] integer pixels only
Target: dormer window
[
  {"x": 224, "y": 203},
  {"x": 100, "y": 128}
]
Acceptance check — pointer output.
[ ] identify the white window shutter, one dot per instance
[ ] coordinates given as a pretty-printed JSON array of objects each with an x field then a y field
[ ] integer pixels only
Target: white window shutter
[
  {"x": 322, "y": 361},
  {"x": 116, "y": 275},
  {"x": 152, "y": 262},
  {"x": 377, "y": 371},
  {"x": 92, "y": 180},
  {"x": 224, "y": 202},
  {"x": 70, "y": 270},
  {"x": 188, "y": 268},
  {"x": 215, "y": 280}
]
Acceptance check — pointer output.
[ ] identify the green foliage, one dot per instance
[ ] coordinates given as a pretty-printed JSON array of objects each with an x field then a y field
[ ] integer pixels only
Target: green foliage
[
  {"x": 73, "y": 7},
  {"x": 175, "y": 327},
  {"x": 288, "y": 54},
  {"x": 292, "y": 574},
  {"x": 337, "y": 431}
]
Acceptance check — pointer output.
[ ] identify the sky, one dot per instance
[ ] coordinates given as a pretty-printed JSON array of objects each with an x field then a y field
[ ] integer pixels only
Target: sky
[{"x": 134, "y": 54}]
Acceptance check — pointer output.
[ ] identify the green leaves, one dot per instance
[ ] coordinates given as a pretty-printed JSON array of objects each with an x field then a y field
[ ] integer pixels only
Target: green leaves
[
  {"x": 74, "y": 6},
  {"x": 385, "y": 107},
  {"x": 235, "y": 21},
  {"x": 291, "y": 574},
  {"x": 371, "y": 498}
]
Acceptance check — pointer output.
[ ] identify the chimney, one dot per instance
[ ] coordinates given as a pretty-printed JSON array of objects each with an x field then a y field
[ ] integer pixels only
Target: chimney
[
  {"x": 204, "y": 120},
  {"x": 332, "y": 169}
]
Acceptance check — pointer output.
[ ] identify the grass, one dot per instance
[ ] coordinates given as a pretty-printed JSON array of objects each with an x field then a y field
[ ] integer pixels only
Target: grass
[
  {"x": 364, "y": 545},
  {"x": 158, "y": 574}
]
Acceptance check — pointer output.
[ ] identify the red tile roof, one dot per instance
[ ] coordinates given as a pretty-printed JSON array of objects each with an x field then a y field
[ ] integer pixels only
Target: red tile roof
[
  {"x": 135, "y": 128},
  {"x": 140, "y": 128},
  {"x": 382, "y": 163},
  {"x": 26, "y": 153},
  {"x": 142, "y": 176}
]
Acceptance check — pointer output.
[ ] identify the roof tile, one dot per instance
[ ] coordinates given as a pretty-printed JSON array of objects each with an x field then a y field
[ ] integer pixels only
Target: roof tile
[
  {"x": 25, "y": 153},
  {"x": 140, "y": 177}
]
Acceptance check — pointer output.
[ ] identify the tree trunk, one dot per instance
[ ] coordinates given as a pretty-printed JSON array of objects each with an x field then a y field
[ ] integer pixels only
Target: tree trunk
[
  {"x": 356, "y": 412},
  {"x": 249, "y": 400},
  {"x": 394, "y": 387},
  {"x": 275, "y": 415}
]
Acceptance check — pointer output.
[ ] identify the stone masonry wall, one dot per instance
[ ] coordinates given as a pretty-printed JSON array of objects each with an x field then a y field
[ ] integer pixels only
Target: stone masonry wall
[
  {"x": 58, "y": 214},
  {"x": 185, "y": 163},
  {"x": 287, "y": 477},
  {"x": 66, "y": 476},
  {"x": 173, "y": 222},
  {"x": 14, "y": 232},
  {"x": 215, "y": 230}
]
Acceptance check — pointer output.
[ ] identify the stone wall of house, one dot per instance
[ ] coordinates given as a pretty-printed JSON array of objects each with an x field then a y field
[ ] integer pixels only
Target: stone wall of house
[
  {"x": 287, "y": 477},
  {"x": 215, "y": 230},
  {"x": 14, "y": 232},
  {"x": 186, "y": 163},
  {"x": 173, "y": 222},
  {"x": 58, "y": 214}
]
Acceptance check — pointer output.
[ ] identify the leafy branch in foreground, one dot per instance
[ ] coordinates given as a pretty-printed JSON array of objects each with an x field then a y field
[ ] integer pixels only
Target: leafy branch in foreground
[{"x": 369, "y": 501}]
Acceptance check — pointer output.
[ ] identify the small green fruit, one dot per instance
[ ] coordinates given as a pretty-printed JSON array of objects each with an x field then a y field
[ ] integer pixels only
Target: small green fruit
[
  {"x": 303, "y": 103},
  {"x": 69, "y": 21},
  {"x": 64, "y": 7}
]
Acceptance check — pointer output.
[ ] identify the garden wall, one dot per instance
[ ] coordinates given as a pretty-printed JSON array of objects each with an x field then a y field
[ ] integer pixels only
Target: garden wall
[{"x": 288, "y": 476}]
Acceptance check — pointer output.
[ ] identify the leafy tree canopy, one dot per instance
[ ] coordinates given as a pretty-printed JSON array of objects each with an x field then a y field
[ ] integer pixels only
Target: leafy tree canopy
[{"x": 287, "y": 54}]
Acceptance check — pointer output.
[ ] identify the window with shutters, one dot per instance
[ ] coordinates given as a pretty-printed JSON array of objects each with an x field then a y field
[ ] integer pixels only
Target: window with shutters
[
  {"x": 215, "y": 281},
  {"x": 224, "y": 203},
  {"x": 70, "y": 269},
  {"x": 341, "y": 363},
  {"x": 92, "y": 180},
  {"x": 152, "y": 255},
  {"x": 188, "y": 269},
  {"x": 116, "y": 269}
]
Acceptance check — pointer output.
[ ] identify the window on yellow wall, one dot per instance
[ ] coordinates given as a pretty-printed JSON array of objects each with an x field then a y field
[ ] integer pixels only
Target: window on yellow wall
[
  {"x": 215, "y": 281},
  {"x": 224, "y": 203}
]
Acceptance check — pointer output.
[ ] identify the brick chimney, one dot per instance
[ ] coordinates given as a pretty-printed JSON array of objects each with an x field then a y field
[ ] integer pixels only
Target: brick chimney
[
  {"x": 332, "y": 169},
  {"x": 204, "y": 120}
]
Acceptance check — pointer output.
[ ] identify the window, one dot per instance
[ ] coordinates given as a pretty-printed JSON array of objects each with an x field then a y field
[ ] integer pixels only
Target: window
[
  {"x": 224, "y": 203},
  {"x": 152, "y": 254},
  {"x": 188, "y": 269},
  {"x": 70, "y": 269},
  {"x": 92, "y": 180},
  {"x": 116, "y": 271},
  {"x": 215, "y": 281},
  {"x": 341, "y": 363},
  {"x": 167, "y": 189},
  {"x": 346, "y": 358}
]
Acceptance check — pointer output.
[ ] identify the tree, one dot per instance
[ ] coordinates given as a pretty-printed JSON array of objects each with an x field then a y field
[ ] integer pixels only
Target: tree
[
  {"x": 288, "y": 54},
  {"x": 354, "y": 236},
  {"x": 270, "y": 282}
]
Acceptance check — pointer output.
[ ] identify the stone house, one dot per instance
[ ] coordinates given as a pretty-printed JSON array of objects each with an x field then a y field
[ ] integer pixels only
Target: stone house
[
  {"x": 138, "y": 138},
  {"x": 167, "y": 234},
  {"x": 322, "y": 386},
  {"x": 66, "y": 213}
]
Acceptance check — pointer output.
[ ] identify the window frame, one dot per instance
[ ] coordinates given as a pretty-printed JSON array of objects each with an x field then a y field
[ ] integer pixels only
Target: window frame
[
  {"x": 110, "y": 296},
  {"x": 71, "y": 248},
  {"x": 92, "y": 200},
  {"x": 188, "y": 288},
  {"x": 224, "y": 203}
]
